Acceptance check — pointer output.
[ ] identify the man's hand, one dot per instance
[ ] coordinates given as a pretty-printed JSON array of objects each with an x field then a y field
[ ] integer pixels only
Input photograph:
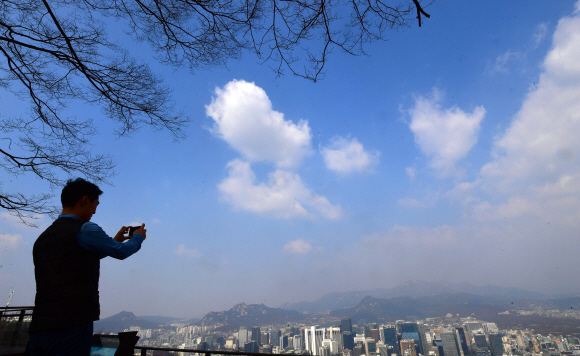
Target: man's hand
[
  {"x": 120, "y": 237},
  {"x": 141, "y": 231}
]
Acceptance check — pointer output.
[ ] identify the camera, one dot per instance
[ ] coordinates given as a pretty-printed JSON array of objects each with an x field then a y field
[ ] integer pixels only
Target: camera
[{"x": 132, "y": 229}]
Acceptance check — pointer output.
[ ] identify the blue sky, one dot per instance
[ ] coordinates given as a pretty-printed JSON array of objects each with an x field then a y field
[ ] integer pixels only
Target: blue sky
[{"x": 449, "y": 153}]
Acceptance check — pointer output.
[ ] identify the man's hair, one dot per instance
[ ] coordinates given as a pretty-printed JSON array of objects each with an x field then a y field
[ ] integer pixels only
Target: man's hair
[{"x": 75, "y": 189}]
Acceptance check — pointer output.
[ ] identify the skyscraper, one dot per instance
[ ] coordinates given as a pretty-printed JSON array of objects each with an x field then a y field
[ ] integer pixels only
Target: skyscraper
[
  {"x": 410, "y": 331},
  {"x": 345, "y": 325},
  {"x": 370, "y": 346},
  {"x": 449, "y": 343},
  {"x": 283, "y": 341},
  {"x": 408, "y": 348},
  {"x": 297, "y": 342},
  {"x": 388, "y": 335},
  {"x": 481, "y": 347},
  {"x": 375, "y": 334},
  {"x": 242, "y": 336},
  {"x": 256, "y": 334},
  {"x": 275, "y": 337},
  {"x": 251, "y": 347},
  {"x": 496, "y": 344},
  {"x": 313, "y": 337},
  {"x": 265, "y": 338},
  {"x": 348, "y": 340},
  {"x": 462, "y": 341}
]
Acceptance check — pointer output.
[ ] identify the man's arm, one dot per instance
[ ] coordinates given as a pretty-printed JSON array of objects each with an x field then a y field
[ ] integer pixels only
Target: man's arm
[{"x": 93, "y": 238}]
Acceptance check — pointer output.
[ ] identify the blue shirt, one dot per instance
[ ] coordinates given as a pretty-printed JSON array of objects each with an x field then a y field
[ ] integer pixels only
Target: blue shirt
[{"x": 91, "y": 237}]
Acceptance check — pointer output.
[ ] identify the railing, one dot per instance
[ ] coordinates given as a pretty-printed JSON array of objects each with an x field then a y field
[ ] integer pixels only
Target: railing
[
  {"x": 144, "y": 351},
  {"x": 14, "y": 322}
]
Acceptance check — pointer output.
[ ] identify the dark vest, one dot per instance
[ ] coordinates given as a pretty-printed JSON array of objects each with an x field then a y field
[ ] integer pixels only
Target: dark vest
[{"x": 67, "y": 279}]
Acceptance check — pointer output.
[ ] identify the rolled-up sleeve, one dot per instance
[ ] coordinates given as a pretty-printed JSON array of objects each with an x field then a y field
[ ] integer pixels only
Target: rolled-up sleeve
[{"x": 93, "y": 238}]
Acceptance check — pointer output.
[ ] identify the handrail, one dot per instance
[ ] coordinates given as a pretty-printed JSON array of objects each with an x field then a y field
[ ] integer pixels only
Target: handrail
[
  {"x": 17, "y": 308},
  {"x": 13, "y": 332},
  {"x": 144, "y": 350}
]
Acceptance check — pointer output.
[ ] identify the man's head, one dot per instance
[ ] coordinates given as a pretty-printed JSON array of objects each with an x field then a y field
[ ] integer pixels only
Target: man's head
[{"x": 80, "y": 198}]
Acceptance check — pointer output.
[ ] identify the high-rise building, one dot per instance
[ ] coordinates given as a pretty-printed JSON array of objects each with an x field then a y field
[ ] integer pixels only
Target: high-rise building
[
  {"x": 462, "y": 341},
  {"x": 324, "y": 351},
  {"x": 388, "y": 335},
  {"x": 332, "y": 345},
  {"x": 242, "y": 336},
  {"x": 375, "y": 334},
  {"x": 256, "y": 334},
  {"x": 313, "y": 337},
  {"x": 345, "y": 325},
  {"x": 496, "y": 343},
  {"x": 220, "y": 340},
  {"x": 384, "y": 350},
  {"x": 230, "y": 343},
  {"x": 348, "y": 340},
  {"x": 410, "y": 331},
  {"x": 209, "y": 341},
  {"x": 266, "y": 349},
  {"x": 480, "y": 345},
  {"x": 274, "y": 337},
  {"x": 370, "y": 346},
  {"x": 423, "y": 335},
  {"x": 297, "y": 343},
  {"x": 408, "y": 348},
  {"x": 490, "y": 328},
  {"x": 251, "y": 347},
  {"x": 265, "y": 338},
  {"x": 449, "y": 343},
  {"x": 283, "y": 341},
  {"x": 357, "y": 350}
]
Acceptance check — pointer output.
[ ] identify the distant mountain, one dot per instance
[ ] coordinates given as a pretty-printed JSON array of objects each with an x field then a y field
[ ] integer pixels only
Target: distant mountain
[
  {"x": 385, "y": 310},
  {"x": 163, "y": 319},
  {"x": 122, "y": 321},
  {"x": 414, "y": 288},
  {"x": 251, "y": 315}
]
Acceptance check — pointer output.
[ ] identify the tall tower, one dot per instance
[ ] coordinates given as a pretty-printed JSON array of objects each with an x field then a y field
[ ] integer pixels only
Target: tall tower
[
  {"x": 388, "y": 335},
  {"x": 449, "y": 343},
  {"x": 345, "y": 325}
]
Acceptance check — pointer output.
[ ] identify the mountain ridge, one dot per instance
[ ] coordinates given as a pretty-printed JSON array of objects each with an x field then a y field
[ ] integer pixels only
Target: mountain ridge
[{"x": 412, "y": 288}]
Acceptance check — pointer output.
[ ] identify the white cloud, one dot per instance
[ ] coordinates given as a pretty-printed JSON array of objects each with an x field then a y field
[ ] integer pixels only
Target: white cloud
[
  {"x": 444, "y": 135},
  {"x": 534, "y": 173},
  {"x": 244, "y": 118},
  {"x": 298, "y": 246},
  {"x": 284, "y": 196},
  {"x": 540, "y": 34},
  {"x": 541, "y": 144},
  {"x": 502, "y": 61},
  {"x": 411, "y": 172},
  {"x": 346, "y": 156},
  {"x": 10, "y": 240},
  {"x": 181, "y": 250}
]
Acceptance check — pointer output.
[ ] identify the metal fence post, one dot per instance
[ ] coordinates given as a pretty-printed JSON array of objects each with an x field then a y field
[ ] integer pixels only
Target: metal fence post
[{"x": 17, "y": 328}]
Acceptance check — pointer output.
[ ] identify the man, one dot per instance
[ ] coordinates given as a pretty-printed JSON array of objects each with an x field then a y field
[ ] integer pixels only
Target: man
[{"x": 66, "y": 267}]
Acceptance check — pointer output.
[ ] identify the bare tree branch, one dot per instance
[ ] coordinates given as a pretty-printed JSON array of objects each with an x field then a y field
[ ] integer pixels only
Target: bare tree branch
[{"x": 53, "y": 52}]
